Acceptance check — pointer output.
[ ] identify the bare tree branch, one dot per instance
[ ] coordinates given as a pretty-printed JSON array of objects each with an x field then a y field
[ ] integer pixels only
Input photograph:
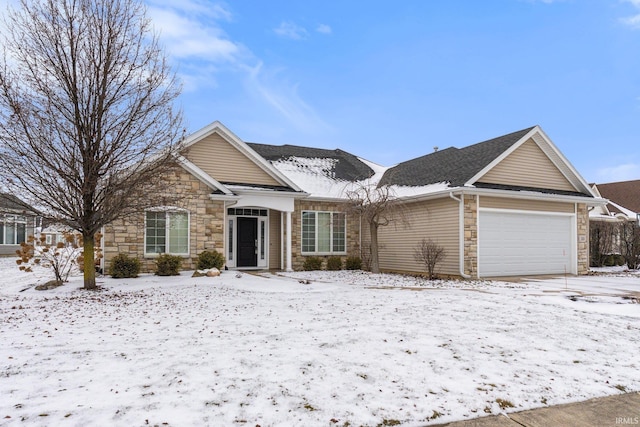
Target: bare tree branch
[
  {"x": 378, "y": 207},
  {"x": 87, "y": 121}
]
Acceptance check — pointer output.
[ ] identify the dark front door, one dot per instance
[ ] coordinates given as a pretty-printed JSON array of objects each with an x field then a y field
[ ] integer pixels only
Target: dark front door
[{"x": 247, "y": 242}]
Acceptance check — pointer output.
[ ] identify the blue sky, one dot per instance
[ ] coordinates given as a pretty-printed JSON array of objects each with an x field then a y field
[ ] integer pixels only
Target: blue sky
[{"x": 388, "y": 81}]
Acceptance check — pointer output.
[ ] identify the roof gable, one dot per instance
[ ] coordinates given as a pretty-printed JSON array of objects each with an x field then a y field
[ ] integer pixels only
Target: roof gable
[
  {"x": 225, "y": 158},
  {"x": 9, "y": 201},
  {"x": 625, "y": 194},
  {"x": 469, "y": 166},
  {"x": 527, "y": 166}
]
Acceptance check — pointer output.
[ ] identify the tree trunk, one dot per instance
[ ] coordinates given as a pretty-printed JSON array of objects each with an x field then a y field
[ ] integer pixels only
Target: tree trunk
[
  {"x": 375, "y": 264},
  {"x": 89, "y": 262}
]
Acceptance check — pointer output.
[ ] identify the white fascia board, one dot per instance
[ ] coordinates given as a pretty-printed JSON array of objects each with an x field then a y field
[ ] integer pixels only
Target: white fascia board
[
  {"x": 241, "y": 190},
  {"x": 534, "y": 195},
  {"x": 202, "y": 175},
  {"x": 233, "y": 139},
  {"x": 528, "y": 195},
  {"x": 628, "y": 212}
]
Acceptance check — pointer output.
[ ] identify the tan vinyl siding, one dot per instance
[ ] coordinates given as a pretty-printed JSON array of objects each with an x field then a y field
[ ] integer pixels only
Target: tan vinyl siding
[
  {"x": 438, "y": 220},
  {"x": 525, "y": 205},
  {"x": 528, "y": 166},
  {"x": 274, "y": 240},
  {"x": 225, "y": 163}
]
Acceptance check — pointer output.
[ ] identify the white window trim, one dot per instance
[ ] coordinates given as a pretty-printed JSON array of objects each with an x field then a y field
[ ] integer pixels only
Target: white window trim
[
  {"x": 14, "y": 219},
  {"x": 168, "y": 210},
  {"x": 330, "y": 252}
]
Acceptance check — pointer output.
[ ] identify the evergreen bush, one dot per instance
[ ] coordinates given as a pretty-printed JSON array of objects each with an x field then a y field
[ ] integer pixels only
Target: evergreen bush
[
  {"x": 168, "y": 265},
  {"x": 334, "y": 263},
  {"x": 312, "y": 263},
  {"x": 353, "y": 263},
  {"x": 123, "y": 267},
  {"x": 210, "y": 259}
]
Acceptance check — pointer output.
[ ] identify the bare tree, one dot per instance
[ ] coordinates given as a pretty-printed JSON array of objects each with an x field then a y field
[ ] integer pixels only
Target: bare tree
[
  {"x": 378, "y": 207},
  {"x": 601, "y": 241},
  {"x": 430, "y": 254},
  {"x": 630, "y": 243},
  {"x": 86, "y": 111}
]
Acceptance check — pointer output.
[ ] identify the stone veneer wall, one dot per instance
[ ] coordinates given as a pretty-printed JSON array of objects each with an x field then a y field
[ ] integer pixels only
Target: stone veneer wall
[
  {"x": 471, "y": 235},
  {"x": 353, "y": 229},
  {"x": 582, "y": 220},
  {"x": 206, "y": 224}
]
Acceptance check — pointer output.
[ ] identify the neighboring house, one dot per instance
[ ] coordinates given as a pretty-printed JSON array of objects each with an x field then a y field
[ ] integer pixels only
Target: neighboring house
[
  {"x": 623, "y": 201},
  {"x": 54, "y": 233},
  {"x": 17, "y": 222},
  {"x": 510, "y": 206},
  {"x": 623, "y": 207}
]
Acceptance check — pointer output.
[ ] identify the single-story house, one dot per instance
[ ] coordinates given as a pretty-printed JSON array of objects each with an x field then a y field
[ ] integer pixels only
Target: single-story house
[
  {"x": 17, "y": 222},
  {"x": 622, "y": 207},
  {"x": 509, "y": 206}
]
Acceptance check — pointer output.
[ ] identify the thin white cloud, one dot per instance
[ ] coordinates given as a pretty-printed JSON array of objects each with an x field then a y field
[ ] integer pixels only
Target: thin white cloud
[
  {"x": 634, "y": 20},
  {"x": 623, "y": 172},
  {"x": 324, "y": 29},
  {"x": 291, "y": 30},
  {"x": 192, "y": 31},
  {"x": 284, "y": 97},
  {"x": 188, "y": 30}
]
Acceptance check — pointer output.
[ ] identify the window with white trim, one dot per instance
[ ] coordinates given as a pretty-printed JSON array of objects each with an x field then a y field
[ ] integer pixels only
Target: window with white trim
[
  {"x": 324, "y": 232},
  {"x": 166, "y": 232},
  {"x": 13, "y": 229}
]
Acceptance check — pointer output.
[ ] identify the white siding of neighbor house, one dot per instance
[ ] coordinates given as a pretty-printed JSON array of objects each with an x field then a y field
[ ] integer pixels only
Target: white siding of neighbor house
[
  {"x": 528, "y": 166},
  {"x": 436, "y": 219},
  {"x": 225, "y": 163}
]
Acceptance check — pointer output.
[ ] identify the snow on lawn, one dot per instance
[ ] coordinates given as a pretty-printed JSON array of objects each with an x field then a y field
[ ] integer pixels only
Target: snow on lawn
[{"x": 350, "y": 348}]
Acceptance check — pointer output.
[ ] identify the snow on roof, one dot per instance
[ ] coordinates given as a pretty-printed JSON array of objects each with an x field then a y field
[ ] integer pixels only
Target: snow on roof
[{"x": 316, "y": 176}]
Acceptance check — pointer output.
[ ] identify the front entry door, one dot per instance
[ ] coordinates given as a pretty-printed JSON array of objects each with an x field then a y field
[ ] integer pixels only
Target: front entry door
[{"x": 247, "y": 242}]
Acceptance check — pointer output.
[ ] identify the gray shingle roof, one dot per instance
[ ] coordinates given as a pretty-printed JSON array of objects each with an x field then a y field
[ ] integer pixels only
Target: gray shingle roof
[
  {"x": 347, "y": 167},
  {"x": 453, "y": 165},
  {"x": 9, "y": 201}
]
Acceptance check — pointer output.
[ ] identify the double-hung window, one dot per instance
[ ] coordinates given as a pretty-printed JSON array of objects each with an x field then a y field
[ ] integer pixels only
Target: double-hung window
[
  {"x": 13, "y": 229},
  {"x": 167, "y": 232},
  {"x": 324, "y": 232}
]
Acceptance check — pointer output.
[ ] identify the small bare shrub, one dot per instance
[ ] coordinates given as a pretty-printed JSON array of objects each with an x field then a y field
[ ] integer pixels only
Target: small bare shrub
[{"x": 430, "y": 254}]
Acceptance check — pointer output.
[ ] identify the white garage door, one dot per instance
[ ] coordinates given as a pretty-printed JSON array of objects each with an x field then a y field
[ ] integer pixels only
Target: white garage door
[{"x": 514, "y": 243}]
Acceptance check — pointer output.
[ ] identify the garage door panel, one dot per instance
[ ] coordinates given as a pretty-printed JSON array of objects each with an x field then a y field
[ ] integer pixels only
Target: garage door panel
[{"x": 513, "y": 243}]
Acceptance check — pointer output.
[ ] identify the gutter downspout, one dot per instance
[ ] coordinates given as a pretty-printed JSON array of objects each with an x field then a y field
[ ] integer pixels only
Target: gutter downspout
[{"x": 461, "y": 231}]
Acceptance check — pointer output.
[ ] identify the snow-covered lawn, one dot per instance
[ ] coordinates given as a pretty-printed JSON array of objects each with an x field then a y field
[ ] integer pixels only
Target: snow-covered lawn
[{"x": 350, "y": 348}]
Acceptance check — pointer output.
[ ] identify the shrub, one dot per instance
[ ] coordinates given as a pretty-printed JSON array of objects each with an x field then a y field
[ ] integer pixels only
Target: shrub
[
  {"x": 168, "y": 265},
  {"x": 210, "y": 259},
  {"x": 312, "y": 263},
  {"x": 124, "y": 267},
  {"x": 430, "y": 254},
  {"x": 353, "y": 263},
  {"x": 334, "y": 263}
]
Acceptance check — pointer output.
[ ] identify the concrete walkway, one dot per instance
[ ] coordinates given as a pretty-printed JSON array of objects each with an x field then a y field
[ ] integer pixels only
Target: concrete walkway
[{"x": 612, "y": 411}]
